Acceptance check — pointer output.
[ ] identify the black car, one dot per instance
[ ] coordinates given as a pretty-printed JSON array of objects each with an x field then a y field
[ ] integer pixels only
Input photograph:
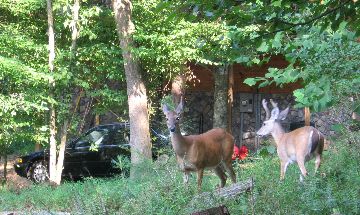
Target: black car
[{"x": 92, "y": 154}]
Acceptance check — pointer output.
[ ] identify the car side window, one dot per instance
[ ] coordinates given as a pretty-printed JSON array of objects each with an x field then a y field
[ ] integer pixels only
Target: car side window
[
  {"x": 94, "y": 138},
  {"x": 121, "y": 137}
]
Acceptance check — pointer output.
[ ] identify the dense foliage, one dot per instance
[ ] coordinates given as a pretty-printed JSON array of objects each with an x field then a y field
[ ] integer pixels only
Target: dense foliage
[{"x": 24, "y": 77}]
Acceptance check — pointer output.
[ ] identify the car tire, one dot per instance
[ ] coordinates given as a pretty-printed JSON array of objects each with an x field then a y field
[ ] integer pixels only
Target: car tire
[{"x": 38, "y": 172}]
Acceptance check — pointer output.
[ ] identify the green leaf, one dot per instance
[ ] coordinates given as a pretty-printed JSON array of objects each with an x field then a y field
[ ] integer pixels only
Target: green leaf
[
  {"x": 307, "y": 44},
  {"x": 299, "y": 95},
  {"x": 250, "y": 81},
  {"x": 342, "y": 26},
  {"x": 256, "y": 60},
  {"x": 263, "y": 47},
  {"x": 276, "y": 43},
  {"x": 277, "y": 3},
  {"x": 242, "y": 59},
  {"x": 264, "y": 83}
]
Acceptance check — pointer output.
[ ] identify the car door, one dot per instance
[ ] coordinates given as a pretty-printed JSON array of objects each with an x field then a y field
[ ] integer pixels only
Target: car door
[
  {"x": 89, "y": 148},
  {"x": 72, "y": 162},
  {"x": 118, "y": 145}
]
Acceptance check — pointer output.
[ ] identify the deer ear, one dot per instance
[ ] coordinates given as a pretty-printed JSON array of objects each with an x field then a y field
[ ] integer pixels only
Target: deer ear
[
  {"x": 180, "y": 106},
  {"x": 165, "y": 108},
  {"x": 274, "y": 113},
  {"x": 283, "y": 114}
]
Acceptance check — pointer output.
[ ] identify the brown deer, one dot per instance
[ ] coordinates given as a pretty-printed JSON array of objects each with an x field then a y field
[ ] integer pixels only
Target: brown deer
[
  {"x": 212, "y": 149},
  {"x": 299, "y": 145}
]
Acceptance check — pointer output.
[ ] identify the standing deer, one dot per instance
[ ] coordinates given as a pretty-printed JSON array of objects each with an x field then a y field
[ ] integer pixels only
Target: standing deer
[
  {"x": 299, "y": 145},
  {"x": 212, "y": 149}
]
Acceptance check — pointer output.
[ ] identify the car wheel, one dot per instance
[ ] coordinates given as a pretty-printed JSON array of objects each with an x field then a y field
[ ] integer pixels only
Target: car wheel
[{"x": 39, "y": 172}]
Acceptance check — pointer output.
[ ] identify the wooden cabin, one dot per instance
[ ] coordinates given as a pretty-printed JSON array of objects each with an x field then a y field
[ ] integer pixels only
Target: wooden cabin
[{"x": 247, "y": 114}]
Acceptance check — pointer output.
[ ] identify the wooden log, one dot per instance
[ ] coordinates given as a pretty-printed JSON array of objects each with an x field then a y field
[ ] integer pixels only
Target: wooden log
[
  {"x": 228, "y": 192},
  {"x": 235, "y": 189},
  {"x": 232, "y": 191}
]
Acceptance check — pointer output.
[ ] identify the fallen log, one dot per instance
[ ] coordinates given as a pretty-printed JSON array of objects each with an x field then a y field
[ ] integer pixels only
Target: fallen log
[
  {"x": 230, "y": 191},
  {"x": 210, "y": 198}
]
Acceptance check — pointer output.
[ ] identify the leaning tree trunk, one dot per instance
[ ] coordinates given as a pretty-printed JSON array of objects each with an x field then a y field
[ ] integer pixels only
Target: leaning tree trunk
[
  {"x": 136, "y": 90},
  {"x": 76, "y": 95},
  {"x": 220, "y": 97},
  {"x": 52, "y": 160}
]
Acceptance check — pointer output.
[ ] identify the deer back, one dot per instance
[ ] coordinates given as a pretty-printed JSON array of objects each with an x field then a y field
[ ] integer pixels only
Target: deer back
[{"x": 210, "y": 148}]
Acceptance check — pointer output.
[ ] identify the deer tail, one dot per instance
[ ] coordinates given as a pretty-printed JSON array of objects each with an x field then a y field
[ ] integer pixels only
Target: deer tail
[{"x": 317, "y": 141}]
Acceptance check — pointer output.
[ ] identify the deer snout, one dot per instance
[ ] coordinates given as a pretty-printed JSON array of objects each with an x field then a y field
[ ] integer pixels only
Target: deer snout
[
  {"x": 260, "y": 133},
  {"x": 172, "y": 129}
]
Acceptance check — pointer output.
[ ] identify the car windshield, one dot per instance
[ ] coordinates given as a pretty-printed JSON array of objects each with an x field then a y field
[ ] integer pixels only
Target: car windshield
[{"x": 95, "y": 137}]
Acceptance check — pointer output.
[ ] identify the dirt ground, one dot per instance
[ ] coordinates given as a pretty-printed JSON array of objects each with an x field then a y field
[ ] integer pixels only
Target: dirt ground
[{"x": 14, "y": 181}]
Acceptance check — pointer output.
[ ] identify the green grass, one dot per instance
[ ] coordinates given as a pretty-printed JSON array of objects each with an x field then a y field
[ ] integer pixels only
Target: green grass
[{"x": 336, "y": 188}]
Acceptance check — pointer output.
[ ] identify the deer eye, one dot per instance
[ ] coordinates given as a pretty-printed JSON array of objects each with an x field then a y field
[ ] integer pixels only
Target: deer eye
[{"x": 177, "y": 118}]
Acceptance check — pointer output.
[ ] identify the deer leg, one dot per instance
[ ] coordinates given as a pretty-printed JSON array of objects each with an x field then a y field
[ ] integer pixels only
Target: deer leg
[
  {"x": 186, "y": 177},
  {"x": 229, "y": 169},
  {"x": 283, "y": 168},
  {"x": 317, "y": 162},
  {"x": 200, "y": 174},
  {"x": 220, "y": 173},
  {"x": 301, "y": 165}
]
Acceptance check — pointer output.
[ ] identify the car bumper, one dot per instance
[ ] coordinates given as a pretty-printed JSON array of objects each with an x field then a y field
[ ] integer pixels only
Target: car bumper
[{"x": 21, "y": 169}]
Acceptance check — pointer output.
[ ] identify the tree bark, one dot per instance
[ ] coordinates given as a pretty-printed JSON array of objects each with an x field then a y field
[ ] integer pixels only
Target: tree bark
[
  {"x": 5, "y": 166},
  {"x": 51, "y": 34},
  {"x": 178, "y": 88},
  {"x": 220, "y": 97},
  {"x": 136, "y": 90},
  {"x": 230, "y": 98}
]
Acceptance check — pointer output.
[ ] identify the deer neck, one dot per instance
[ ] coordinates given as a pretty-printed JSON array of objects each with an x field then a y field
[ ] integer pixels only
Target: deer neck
[
  {"x": 277, "y": 133},
  {"x": 179, "y": 142}
]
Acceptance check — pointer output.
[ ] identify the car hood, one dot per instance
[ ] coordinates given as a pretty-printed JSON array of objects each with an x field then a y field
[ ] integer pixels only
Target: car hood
[{"x": 30, "y": 156}]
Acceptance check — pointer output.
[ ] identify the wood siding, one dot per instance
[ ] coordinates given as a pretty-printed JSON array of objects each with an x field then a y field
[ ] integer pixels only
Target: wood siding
[{"x": 204, "y": 79}]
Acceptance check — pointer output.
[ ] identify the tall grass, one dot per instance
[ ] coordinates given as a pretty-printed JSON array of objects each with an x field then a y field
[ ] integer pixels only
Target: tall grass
[{"x": 335, "y": 189}]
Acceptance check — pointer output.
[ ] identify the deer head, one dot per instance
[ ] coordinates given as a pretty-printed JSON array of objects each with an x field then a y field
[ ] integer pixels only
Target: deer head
[
  {"x": 270, "y": 120},
  {"x": 173, "y": 117}
]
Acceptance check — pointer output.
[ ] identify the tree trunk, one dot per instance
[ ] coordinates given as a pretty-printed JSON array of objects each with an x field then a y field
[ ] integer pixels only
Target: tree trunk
[
  {"x": 230, "y": 98},
  {"x": 220, "y": 97},
  {"x": 56, "y": 160},
  {"x": 74, "y": 29},
  {"x": 5, "y": 166},
  {"x": 178, "y": 88},
  {"x": 136, "y": 90},
  {"x": 76, "y": 98},
  {"x": 97, "y": 119},
  {"x": 60, "y": 158},
  {"x": 51, "y": 34}
]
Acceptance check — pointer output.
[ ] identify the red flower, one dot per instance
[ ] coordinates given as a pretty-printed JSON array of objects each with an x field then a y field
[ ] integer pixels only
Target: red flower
[{"x": 240, "y": 153}]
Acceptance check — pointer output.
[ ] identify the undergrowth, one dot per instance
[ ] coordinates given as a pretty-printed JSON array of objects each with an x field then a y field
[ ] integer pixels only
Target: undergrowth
[{"x": 334, "y": 189}]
